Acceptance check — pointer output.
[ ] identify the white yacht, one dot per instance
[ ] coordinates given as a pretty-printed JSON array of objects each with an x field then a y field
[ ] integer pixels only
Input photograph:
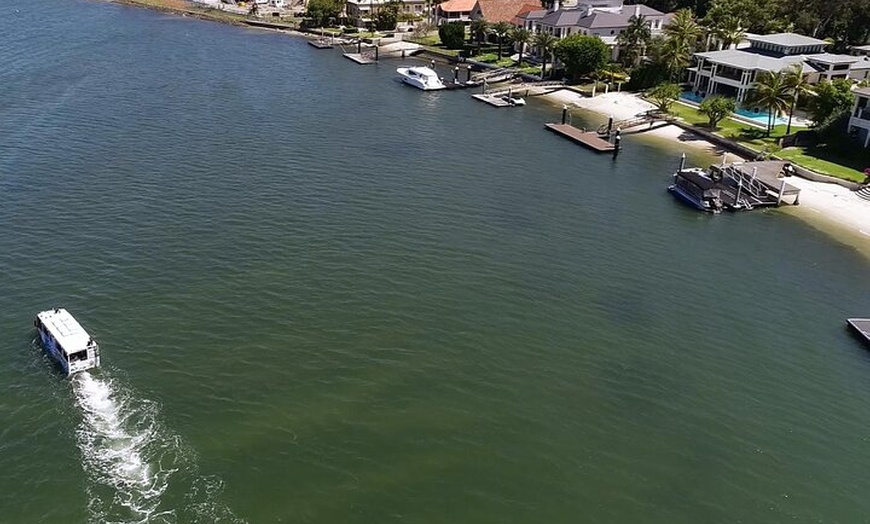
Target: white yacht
[
  {"x": 421, "y": 77},
  {"x": 66, "y": 341}
]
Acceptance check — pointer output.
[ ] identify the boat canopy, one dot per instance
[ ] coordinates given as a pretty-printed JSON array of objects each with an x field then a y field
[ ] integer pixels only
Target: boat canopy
[{"x": 66, "y": 330}]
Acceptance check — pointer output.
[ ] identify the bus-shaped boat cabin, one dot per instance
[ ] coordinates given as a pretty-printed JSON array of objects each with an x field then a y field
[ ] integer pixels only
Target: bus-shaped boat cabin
[{"x": 66, "y": 341}]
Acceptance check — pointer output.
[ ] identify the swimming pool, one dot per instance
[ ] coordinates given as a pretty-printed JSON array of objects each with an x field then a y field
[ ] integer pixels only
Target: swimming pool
[{"x": 759, "y": 117}]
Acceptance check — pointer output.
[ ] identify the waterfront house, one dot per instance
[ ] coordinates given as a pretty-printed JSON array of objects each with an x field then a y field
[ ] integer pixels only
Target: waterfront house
[
  {"x": 360, "y": 12},
  {"x": 732, "y": 72},
  {"x": 859, "y": 122},
  {"x": 454, "y": 11},
  {"x": 605, "y": 19},
  {"x": 495, "y": 11}
]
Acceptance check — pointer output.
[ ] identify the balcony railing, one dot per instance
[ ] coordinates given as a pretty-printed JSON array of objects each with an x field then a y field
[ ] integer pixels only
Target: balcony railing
[{"x": 862, "y": 113}]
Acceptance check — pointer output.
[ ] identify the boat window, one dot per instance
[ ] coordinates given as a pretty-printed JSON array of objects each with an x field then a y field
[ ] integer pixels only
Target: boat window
[{"x": 78, "y": 356}]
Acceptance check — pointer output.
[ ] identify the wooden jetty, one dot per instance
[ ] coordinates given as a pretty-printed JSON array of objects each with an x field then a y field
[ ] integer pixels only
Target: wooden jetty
[
  {"x": 590, "y": 139},
  {"x": 361, "y": 58},
  {"x": 493, "y": 100},
  {"x": 321, "y": 44},
  {"x": 861, "y": 326}
]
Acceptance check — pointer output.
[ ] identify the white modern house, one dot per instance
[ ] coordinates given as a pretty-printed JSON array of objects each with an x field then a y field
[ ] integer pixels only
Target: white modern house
[
  {"x": 732, "y": 72},
  {"x": 859, "y": 122},
  {"x": 861, "y": 50},
  {"x": 361, "y": 12}
]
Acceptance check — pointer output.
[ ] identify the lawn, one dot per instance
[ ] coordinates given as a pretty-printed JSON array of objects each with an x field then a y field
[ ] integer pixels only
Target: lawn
[{"x": 827, "y": 159}]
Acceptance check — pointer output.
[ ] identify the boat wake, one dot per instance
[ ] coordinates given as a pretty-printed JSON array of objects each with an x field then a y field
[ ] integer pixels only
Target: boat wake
[{"x": 132, "y": 461}]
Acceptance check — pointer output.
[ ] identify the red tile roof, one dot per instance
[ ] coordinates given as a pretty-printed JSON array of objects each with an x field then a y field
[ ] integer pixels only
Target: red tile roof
[
  {"x": 495, "y": 11},
  {"x": 457, "y": 6},
  {"x": 525, "y": 9}
]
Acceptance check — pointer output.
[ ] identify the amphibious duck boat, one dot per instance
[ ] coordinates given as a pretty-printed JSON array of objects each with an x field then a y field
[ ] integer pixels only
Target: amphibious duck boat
[{"x": 66, "y": 341}]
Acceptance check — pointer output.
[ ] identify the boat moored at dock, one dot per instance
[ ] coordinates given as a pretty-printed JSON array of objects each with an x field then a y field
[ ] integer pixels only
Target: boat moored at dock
[
  {"x": 66, "y": 341},
  {"x": 698, "y": 190},
  {"x": 421, "y": 77}
]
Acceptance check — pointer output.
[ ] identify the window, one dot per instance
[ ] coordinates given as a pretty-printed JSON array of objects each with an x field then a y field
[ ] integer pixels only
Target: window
[{"x": 78, "y": 356}]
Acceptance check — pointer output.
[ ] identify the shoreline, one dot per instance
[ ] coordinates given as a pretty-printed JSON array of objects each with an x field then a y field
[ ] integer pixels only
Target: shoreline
[{"x": 827, "y": 207}]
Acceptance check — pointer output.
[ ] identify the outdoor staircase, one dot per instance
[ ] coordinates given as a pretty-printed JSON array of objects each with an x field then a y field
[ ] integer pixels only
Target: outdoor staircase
[{"x": 864, "y": 193}]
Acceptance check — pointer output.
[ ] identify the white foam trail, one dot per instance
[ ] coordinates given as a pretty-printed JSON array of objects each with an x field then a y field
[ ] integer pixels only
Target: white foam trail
[
  {"x": 130, "y": 459},
  {"x": 122, "y": 452}
]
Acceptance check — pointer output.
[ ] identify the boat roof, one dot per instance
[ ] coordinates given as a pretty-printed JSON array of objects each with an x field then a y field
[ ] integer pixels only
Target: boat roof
[
  {"x": 699, "y": 178},
  {"x": 70, "y": 335}
]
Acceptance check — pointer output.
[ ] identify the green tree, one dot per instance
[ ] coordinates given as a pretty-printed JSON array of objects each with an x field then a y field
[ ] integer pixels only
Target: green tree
[
  {"x": 501, "y": 29},
  {"x": 683, "y": 27},
  {"x": 830, "y": 100},
  {"x": 633, "y": 40},
  {"x": 717, "y": 108},
  {"x": 520, "y": 36},
  {"x": 452, "y": 35},
  {"x": 672, "y": 55},
  {"x": 798, "y": 85},
  {"x": 770, "y": 92},
  {"x": 546, "y": 43},
  {"x": 663, "y": 96},
  {"x": 729, "y": 32},
  {"x": 388, "y": 14},
  {"x": 320, "y": 11},
  {"x": 479, "y": 27},
  {"x": 581, "y": 54}
]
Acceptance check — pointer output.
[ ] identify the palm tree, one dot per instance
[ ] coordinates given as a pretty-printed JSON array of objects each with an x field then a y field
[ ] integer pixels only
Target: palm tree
[
  {"x": 478, "y": 29},
  {"x": 797, "y": 84},
  {"x": 729, "y": 32},
  {"x": 546, "y": 43},
  {"x": 520, "y": 36},
  {"x": 771, "y": 93},
  {"x": 683, "y": 27},
  {"x": 673, "y": 55},
  {"x": 501, "y": 29},
  {"x": 634, "y": 39}
]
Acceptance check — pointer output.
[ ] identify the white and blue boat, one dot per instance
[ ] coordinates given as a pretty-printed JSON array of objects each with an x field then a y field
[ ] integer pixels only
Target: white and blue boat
[{"x": 66, "y": 341}]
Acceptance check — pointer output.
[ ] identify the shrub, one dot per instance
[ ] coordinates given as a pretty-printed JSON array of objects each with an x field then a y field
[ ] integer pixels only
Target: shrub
[{"x": 452, "y": 35}]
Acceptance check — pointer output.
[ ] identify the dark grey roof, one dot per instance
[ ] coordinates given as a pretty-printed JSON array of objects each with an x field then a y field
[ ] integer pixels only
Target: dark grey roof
[
  {"x": 563, "y": 18},
  {"x": 575, "y": 17},
  {"x": 786, "y": 39},
  {"x": 606, "y": 19},
  {"x": 534, "y": 15}
]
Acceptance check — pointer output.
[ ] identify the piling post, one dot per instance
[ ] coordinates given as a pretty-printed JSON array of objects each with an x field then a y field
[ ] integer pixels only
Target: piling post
[
  {"x": 781, "y": 193},
  {"x": 510, "y": 93},
  {"x": 682, "y": 162},
  {"x": 564, "y": 114},
  {"x": 616, "y": 145},
  {"x": 359, "y": 46},
  {"x": 432, "y": 64},
  {"x": 593, "y": 89},
  {"x": 456, "y": 75},
  {"x": 403, "y": 53},
  {"x": 468, "y": 73},
  {"x": 376, "y": 52},
  {"x": 609, "y": 124}
]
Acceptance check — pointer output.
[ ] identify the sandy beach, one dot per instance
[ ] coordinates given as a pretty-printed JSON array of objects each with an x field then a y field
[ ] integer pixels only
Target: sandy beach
[
  {"x": 623, "y": 106},
  {"x": 828, "y": 207}
]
